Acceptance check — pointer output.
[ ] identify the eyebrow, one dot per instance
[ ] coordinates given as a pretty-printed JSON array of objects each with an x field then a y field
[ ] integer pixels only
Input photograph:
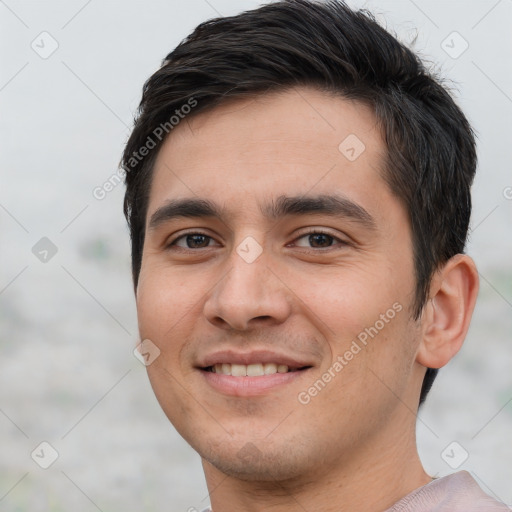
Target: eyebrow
[{"x": 282, "y": 206}]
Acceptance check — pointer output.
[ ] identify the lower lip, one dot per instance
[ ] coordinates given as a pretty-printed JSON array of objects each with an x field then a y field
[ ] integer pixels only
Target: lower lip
[{"x": 250, "y": 386}]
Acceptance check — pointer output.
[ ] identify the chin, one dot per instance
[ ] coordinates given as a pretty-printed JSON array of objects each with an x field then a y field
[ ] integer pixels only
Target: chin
[
  {"x": 263, "y": 470},
  {"x": 257, "y": 461}
]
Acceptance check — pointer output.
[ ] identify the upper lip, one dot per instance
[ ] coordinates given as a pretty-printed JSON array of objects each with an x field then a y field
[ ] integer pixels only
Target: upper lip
[{"x": 252, "y": 357}]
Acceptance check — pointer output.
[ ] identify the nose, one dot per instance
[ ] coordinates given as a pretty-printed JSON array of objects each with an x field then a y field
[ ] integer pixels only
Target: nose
[{"x": 250, "y": 295}]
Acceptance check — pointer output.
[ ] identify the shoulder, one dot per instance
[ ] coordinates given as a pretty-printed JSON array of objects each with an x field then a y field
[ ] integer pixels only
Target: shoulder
[{"x": 458, "y": 492}]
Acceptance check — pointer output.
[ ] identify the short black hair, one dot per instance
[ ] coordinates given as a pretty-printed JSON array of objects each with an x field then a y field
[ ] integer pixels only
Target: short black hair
[{"x": 431, "y": 156}]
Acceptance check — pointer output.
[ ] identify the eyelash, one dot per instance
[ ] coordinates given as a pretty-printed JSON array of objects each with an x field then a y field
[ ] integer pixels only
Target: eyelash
[{"x": 302, "y": 235}]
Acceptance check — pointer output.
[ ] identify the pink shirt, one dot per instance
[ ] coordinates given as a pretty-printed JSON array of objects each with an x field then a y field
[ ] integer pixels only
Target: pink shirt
[{"x": 458, "y": 492}]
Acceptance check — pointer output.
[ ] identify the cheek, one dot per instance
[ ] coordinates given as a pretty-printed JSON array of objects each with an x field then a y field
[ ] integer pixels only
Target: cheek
[
  {"x": 350, "y": 302},
  {"x": 163, "y": 301},
  {"x": 166, "y": 317},
  {"x": 163, "y": 320},
  {"x": 367, "y": 325},
  {"x": 366, "y": 380}
]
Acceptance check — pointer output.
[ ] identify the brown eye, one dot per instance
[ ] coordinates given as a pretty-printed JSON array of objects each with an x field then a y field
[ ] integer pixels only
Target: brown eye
[
  {"x": 318, "y": 240},
  {"x": 192, "y": 241}
]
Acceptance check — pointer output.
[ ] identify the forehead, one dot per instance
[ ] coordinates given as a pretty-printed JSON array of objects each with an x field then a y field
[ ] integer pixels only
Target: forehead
[{"x": 290, "y": 142}]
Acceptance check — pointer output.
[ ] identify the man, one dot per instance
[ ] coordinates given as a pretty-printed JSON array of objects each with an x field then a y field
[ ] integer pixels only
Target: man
[{"x": 298, "y": 195}]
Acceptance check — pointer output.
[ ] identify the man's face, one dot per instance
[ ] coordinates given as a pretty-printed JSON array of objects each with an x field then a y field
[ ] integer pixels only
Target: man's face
[{"x": 273, "y": 286}]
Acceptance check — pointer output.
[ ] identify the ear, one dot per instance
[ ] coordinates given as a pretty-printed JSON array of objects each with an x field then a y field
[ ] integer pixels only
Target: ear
[{"x": 446, "y": 316}]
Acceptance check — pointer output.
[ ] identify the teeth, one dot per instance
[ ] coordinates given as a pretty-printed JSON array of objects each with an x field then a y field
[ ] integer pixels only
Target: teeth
[
  {"x": 255, "y": 370},
  {"x": 251, "y": 370},
  {"x": 238, "y": 370},
  {"x": 270, "y": 368}
]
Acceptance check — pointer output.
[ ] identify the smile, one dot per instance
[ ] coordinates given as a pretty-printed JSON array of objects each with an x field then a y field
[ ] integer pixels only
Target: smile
[
  {"x": 249, "y": 374},
  {"x": 250, "y": 370},
  {"x": 253, "y": 380}
]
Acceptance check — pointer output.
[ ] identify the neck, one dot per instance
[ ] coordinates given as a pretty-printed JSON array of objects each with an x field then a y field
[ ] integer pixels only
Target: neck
[{"x": 383, "y": 471}]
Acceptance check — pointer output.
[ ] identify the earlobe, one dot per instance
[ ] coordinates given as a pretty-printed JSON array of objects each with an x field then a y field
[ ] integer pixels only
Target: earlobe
[{"x": 447, "y": 314}]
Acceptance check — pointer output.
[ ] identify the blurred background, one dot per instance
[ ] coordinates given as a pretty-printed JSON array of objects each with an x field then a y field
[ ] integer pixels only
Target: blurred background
[{"x": 70, "y": 81}]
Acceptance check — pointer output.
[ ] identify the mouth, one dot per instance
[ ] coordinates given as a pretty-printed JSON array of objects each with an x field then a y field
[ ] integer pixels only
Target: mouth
[
  {"x": 251, "y": 374},
  {"x": 252, "y": 370}
]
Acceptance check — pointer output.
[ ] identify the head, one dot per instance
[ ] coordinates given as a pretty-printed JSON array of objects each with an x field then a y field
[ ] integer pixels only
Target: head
[{"x": 277, "y": 102}]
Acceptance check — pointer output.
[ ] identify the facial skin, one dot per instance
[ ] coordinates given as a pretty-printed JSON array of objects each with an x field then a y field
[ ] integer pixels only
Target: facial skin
[{"x": 306, "y": 297}]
